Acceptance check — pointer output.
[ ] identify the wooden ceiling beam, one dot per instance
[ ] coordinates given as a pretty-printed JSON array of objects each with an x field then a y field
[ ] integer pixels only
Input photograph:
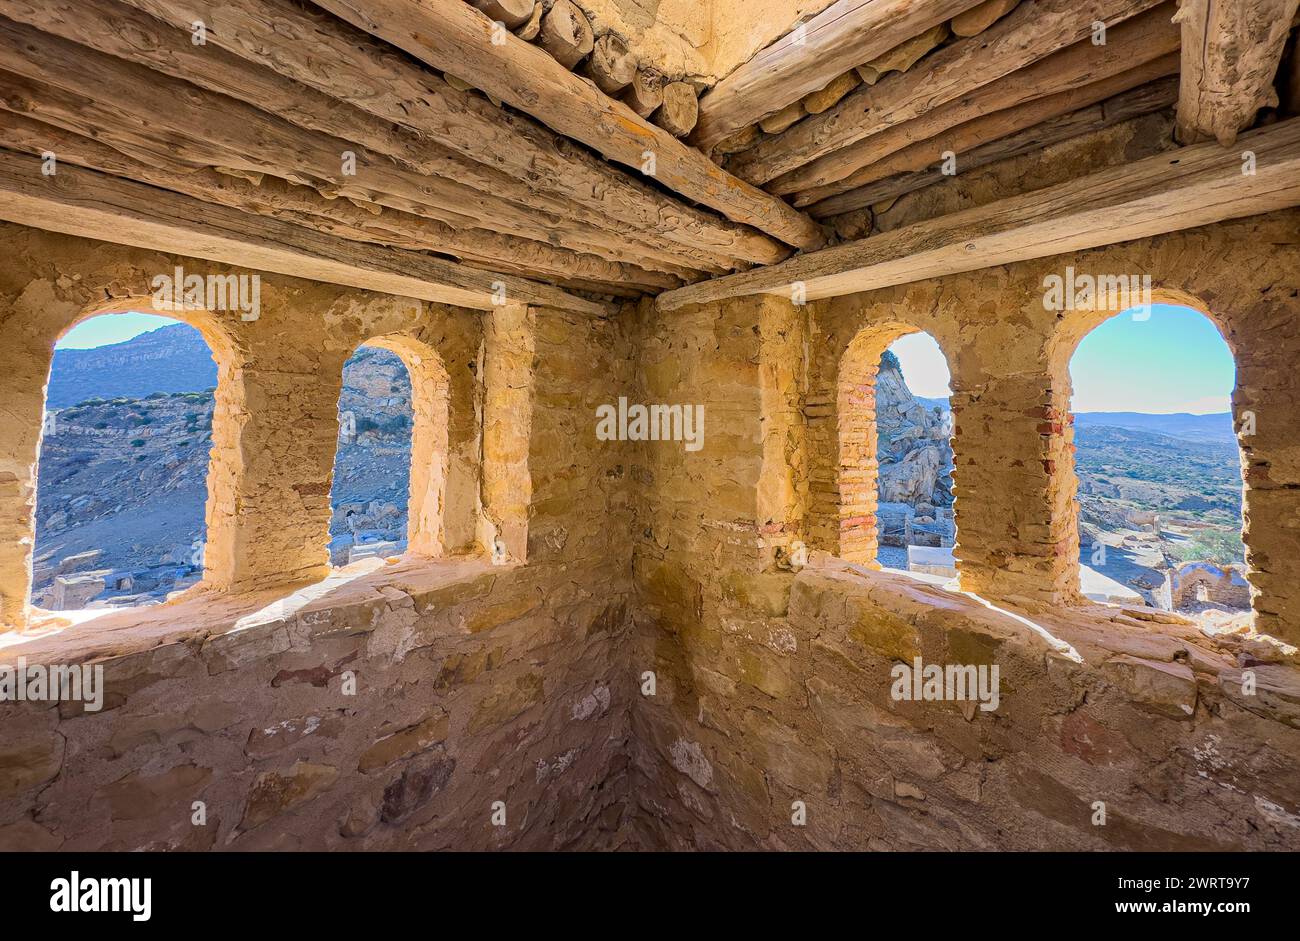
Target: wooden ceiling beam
[
  {"x": 1137, "y": 51},
  {"x": 118, "y": 30},
  {"x": 300, "y": 205},
  {"x": 344, "y": 64},
  {"x": 1002, "y": 135},
  {"x": 1191, "y": 186},
  {"x": 1036, "y": 28},
  {"x": 92, "y": 205},
  {"x": 1231, "y": 52},
  {"x": 453, "y": 36},
  {"x": 845, "y": 34}
]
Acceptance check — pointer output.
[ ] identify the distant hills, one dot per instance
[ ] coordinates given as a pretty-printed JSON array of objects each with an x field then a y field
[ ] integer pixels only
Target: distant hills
[
  {"x": 170, "y": 359},
  {"x": 1217, "y": 427}
]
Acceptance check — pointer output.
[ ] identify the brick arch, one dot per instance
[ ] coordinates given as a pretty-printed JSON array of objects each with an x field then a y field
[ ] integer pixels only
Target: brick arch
[
  {"x": 857, "y": 467},
  {"x": 1072, "y": 327}
]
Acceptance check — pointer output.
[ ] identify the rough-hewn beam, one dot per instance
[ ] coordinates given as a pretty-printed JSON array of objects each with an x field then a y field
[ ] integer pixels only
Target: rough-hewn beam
[
  {"x": 343, "y": 63},
  {"x": 453, "y": 36},
  {"x": 303, "y": 206},
  {"x": 845, "y": 34},
  {"x": 1126, "y": 59},
  {"x": 991, "y": 125},
  {"x": 1191, "y": 186},
  {"x": 126, "y": 33},
  {"x": 1002, "y": 135},
  {"x": 1036, "y": 28},
  {"x": 81, "y": 202},
  {"x": 1231, "y": 50},
  {"x": 250, "y": 112}
]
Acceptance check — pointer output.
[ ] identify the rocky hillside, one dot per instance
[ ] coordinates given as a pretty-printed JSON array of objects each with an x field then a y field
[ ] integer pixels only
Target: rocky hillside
[
  {"x": 1154, "y": 490},
  {"x": 913, "y": 442},
  {"x": 170, "y": 359},
  {"x": 122, "y": 483}
]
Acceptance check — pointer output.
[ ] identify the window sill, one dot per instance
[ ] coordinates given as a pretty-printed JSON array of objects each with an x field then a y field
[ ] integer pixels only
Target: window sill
[{"x": 203, "y": 619}]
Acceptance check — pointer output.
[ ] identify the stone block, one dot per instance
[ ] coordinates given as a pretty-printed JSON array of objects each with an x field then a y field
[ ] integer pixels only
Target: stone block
[
  {"x": 405, "y": 742},
  {"x": 1163, "y": 687},
  {"x": 275, "y": 792}
]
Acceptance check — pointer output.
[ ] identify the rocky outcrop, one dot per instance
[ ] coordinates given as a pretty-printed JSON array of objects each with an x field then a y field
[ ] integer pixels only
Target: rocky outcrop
[{"x": 912, "y": 442}]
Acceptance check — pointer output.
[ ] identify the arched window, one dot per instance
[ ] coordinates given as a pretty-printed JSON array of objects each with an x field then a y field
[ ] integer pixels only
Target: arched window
[
  {"x": 1158, "y": 465},
  {"x": 369, "y": 497},
  {"x": 896, "y": 464},
  {"x": 123, "y": 464}
]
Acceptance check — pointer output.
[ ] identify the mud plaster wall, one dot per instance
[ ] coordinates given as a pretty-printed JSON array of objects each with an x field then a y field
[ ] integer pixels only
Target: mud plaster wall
[
  {"x": 773, "y": 686},
  {"x": 474, "y": 683}
]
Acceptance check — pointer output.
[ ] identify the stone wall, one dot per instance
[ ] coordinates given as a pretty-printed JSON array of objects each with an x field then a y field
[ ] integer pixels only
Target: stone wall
[
  {"x": 656, "y": 660},
  {"x": 773, "y": 683},
  {"x": 378, "y": 706}
]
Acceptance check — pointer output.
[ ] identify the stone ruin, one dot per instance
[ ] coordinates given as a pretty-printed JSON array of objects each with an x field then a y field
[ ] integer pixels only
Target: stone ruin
[{"x": 627, "y": 644}]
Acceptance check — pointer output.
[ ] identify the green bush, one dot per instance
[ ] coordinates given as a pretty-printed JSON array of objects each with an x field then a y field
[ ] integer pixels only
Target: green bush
[{"x": 1217, "y": 546}]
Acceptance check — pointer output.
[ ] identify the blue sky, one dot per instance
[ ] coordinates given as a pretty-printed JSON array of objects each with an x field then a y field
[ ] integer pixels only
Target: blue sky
[
  {"x": 1175, "y": 361},
  {"x": 110, "y": 328}
]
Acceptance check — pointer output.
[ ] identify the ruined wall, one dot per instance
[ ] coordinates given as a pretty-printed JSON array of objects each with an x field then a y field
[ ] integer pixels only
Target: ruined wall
[
  {"x": 654, "y": 666},
  {"x": 387, "y": 705},
  {"x": 773, "y": 686}
]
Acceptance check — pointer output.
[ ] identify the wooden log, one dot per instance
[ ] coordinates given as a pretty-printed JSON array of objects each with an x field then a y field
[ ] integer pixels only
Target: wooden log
[
  {"x": 1134, "y": 41},
  {"x": 513, "y": 13},
  {"x": 840, "y": 86},
  {"x": 679, "y": 111},
  {"x": 120, "y": 101},
  {"x": 442, "y": 34},
  {"x": 530, "y": 30},
  {"x": 566, "y": 34},
  {"x": 1192, "y": 186},
  {"x": 778, "y": 122},
  {"x": 92, "y": 205},
  {"x": 977, "y": 19},
  {"x": 901, "y": 58},
  {"x": 845, "y": 34},
  {"x": 743, "y": 139},
  {"x": 981, "y": 142},
  {"x": 367, "y": 75},
  {"x": 611, "y": 66},
  {"x": 1036, "y": 28},
  {"x": 646, "y": 92},
  {"x": 1231, "y": 53},
  {"x": 126, "y": 33},
  {"x": 271, "y": 197}
]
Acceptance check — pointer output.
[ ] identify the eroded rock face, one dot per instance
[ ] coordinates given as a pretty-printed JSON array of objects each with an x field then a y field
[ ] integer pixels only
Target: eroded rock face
[{"x": 912, "y": 442}]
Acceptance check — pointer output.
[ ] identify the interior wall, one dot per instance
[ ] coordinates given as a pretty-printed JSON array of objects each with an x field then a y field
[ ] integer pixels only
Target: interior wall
[
  {"x": 386, "y": 709},
  {"x": 664, "y": 671},
  {"x": 774, "y": 685}
]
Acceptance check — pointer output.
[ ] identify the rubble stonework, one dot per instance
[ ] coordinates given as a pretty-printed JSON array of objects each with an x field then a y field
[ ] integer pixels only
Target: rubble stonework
[{"x": 655, "y": 660}]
